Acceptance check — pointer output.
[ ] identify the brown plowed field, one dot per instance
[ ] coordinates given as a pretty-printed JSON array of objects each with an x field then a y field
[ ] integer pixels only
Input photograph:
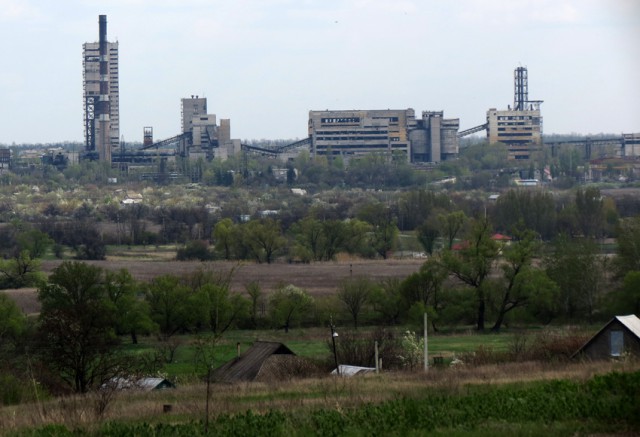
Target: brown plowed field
[{"x": 317, "y": 278}]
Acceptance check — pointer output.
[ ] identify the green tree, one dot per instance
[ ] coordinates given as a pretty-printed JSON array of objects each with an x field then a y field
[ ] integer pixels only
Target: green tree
[
  {"x": 522, "y": 283},
  {"x": 590, "y": 211},
  {"x": 451, "y": 224},
  {"x": 256, "y": 296},
  {"x": 424, "y": 288},
  {"x": 264, "y": 238},
  {"x": 76, "y": 326},
  {"x": 223, "y": 237},
  {"x": 308, "y": 234},
  {"x": 221, "y": 308},
  {"x": 628, "y": 248},
  {"x": 12, "y": 323},
  {"x": 535, "y": 210},
  {"x": 385, "y": 231},
  {"x": 473, "y": 264},
  {"x": 34, "y": 241},
  {"x": 287, "y": 305},
  {"x": 131, "y": 312},
  {"x": 427, "y": 233},
  {"x": 385, "y": 238},
  {"x": 626, "y": 300},
  {"x": 334, "y": 236},
  {"x": 20, "y": 271},
  {"x": 356, "y": 238},
  {"x": 169, "y": 304},
  {"x": 387, "y": 300},
  {"x": 578, "y": 269},
  {"x": 354, "y": 294},
  {"x": 414, "y": 207}
]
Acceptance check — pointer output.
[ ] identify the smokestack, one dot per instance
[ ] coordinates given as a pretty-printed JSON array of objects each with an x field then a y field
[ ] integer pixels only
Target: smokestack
[
  {"x": 103, "y": 107},
  {"x": 102, "y": 22}
]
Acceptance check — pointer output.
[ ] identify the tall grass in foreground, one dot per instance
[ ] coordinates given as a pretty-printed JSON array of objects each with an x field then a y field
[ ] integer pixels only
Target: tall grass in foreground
[
  {"x": 496, "y": 397},
  {"x": 561, "y": 407}
]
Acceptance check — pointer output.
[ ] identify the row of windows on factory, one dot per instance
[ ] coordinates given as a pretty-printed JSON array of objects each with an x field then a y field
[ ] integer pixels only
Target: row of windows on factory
[
  {"x": 520, "y": 128},
  {"x": 358, "y": 146},
  {"x": 515, "y": 117},
  {"x": 391, "y": 119},
  {"x": 351, "y": 132},
  {"x": 341, "y": 120},
  {"x": 516, "y": 134},
  {"x": 517, "y": 123},
  {"x": 369, "y": 138}
]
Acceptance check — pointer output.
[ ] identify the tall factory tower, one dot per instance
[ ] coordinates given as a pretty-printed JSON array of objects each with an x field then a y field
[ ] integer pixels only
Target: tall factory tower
[
  {"x": 101, "y": 95},
  {"x": 520, "y": 127}
]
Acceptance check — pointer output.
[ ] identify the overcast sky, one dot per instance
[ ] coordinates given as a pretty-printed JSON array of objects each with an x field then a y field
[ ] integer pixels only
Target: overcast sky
[{"x": 265, "y": 63}]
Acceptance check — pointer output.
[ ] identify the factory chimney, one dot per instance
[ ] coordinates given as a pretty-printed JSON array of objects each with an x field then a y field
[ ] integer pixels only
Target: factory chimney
[{"x": 103, "y": 107}]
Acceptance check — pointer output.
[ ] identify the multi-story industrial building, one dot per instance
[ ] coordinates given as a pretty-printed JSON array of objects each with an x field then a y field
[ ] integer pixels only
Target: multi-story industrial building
[
  {"x": 390, "y": 131},
  {"x": 101, "y": 95},
  {"x": 207, "y": 139},
  {"x": 520, "y": 127},
  {"x": 191, "y": 109},
  {"x": 435, "y": 138},
  {"x": 631, "y": 145}
]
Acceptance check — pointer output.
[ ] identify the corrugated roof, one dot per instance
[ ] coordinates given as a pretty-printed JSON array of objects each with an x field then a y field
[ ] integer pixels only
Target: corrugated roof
[
  {"x": 145, "y": 383},
  {"x": 347, "y": 370},
  {"x": 247, "y": 366},
  {"x": 631, "y": 322}
]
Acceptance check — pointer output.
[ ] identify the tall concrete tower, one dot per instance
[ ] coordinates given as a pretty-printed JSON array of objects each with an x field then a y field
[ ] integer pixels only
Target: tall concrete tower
[{"x": 101, "y": 95}]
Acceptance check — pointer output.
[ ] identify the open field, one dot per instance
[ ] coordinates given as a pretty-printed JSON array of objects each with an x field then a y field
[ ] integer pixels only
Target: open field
[{"x": 317, "y": 278}]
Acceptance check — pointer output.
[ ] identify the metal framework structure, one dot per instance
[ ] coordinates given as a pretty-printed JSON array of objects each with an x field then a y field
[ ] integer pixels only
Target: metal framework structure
[
  {"x": 520, "y": 88},
  {"x": 473, "y": 130}
]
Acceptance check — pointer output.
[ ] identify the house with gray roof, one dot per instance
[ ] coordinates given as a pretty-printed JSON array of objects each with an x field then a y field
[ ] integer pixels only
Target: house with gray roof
[{"x": 619, "y": 337}]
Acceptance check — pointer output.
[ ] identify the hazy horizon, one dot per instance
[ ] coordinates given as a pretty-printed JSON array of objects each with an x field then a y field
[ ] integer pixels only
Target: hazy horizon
[{"x": 265, "y": 64}]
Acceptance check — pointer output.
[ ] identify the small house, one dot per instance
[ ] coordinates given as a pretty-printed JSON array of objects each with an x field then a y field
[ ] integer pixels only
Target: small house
[
  {"x": 618, "y": 337},
  {"x": 264, "y": 360}
]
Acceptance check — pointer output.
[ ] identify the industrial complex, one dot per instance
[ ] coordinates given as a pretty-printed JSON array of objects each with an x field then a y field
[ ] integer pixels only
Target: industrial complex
[{"x": 395, "y": 133}]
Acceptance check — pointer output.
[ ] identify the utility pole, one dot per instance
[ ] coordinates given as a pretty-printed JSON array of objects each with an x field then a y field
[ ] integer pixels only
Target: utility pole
[
  {"x": 334, "y": 334},
  {"x": 426, "y": 351}
]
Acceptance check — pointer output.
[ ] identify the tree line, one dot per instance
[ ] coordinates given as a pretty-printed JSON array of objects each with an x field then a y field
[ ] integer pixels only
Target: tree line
[{"x": 87, "y": 312}]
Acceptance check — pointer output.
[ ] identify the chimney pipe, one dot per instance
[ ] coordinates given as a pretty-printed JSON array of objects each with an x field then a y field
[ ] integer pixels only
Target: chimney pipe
[{"x": 103, "y": 108}]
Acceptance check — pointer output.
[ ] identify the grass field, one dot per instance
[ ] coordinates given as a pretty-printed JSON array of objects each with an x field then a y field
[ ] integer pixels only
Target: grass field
[{"x": 309, "y": 343}]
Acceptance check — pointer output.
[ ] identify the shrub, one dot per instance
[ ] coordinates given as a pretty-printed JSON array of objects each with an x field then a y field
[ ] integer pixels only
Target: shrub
[
  {"x": 196, "y": 249},
  {"x": 546, "y": 345}
]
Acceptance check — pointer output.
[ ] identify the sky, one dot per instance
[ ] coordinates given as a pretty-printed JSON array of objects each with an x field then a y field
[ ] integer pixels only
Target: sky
[{"x": 266, "y": 63}]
